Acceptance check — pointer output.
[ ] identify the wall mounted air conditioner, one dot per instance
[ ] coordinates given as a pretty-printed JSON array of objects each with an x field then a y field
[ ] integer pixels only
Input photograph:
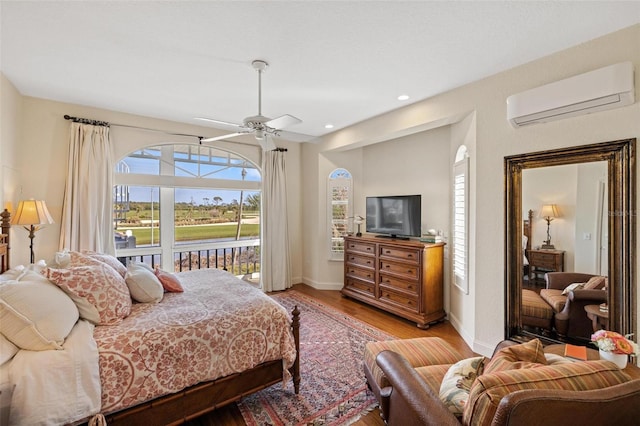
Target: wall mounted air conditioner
[{"x": 605, "y": 88}]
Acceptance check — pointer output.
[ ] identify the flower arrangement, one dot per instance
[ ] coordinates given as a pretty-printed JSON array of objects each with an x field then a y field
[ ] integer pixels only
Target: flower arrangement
[{"x": 610, "y": 341}]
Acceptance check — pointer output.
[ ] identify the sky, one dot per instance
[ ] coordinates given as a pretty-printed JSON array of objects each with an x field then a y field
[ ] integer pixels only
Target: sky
[{"x": 183, "y": 168}]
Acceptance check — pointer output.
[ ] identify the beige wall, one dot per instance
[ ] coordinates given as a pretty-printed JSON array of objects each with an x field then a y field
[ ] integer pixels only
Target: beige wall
[
  {"x": 494, "y": 139},
  {"x": 40, "y": 161},
  {"x": 10, "y": 134}
]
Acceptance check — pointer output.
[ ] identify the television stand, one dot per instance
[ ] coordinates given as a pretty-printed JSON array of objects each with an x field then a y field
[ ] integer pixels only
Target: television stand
[{"x": 404, "y": 278}]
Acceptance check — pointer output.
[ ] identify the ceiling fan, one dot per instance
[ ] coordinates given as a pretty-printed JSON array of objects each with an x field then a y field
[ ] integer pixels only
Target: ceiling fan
[{"x": 262, "y": 127}]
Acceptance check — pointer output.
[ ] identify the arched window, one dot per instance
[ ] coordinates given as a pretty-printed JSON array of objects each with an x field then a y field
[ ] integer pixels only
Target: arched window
[
  {"x": 340, "y": 211},
  {"x": 178, "y": 204},
  {"x": 461, "y": 219}
]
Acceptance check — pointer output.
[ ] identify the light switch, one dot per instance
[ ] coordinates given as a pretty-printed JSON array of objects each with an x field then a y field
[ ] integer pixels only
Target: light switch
[{"x": 586, "y": 236}]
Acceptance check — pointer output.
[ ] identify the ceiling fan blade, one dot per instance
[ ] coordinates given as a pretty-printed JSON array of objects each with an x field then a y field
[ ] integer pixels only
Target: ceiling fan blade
[
  {"x": 225, "y": 123},
  {"x": 283, "y": 121},
  {"x": 294, "y": 137},
  {"x": 217, "y": 138}
]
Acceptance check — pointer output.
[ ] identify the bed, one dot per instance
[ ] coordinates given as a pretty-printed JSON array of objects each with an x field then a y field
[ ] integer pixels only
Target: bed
[{"x": 158, "y": 362}]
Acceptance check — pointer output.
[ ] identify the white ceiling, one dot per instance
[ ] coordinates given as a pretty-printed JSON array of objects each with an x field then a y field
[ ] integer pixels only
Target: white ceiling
[{"x": 336, "y": 62}]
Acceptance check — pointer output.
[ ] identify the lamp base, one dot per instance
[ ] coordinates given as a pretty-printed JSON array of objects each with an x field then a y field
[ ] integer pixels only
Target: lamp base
[{"x": 547, "y": 247}]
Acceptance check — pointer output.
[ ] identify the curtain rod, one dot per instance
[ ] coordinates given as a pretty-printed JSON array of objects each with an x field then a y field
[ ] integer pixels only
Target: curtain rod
[{"x": 107, "y": 124}]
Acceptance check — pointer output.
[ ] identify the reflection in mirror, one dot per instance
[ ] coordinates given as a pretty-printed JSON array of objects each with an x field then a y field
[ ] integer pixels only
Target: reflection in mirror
[
  {"x": 579, "y": 192},
  {"x": 592, "y": 237}
]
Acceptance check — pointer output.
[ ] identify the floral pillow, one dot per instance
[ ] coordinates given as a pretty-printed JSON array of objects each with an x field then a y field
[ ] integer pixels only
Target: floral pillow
[
  {"x": 109, "y": 260},
  {"x": 99, "y": 292},
  {"x": 455, "y": 386}
]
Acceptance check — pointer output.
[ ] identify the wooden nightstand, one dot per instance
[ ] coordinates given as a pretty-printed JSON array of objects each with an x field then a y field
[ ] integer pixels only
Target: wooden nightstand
[{"x": 543, "y": 261}]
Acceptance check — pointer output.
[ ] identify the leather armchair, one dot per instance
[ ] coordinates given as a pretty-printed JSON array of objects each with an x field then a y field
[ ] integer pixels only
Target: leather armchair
[
  {"x": 572, "y": 321},
  {"x": 615, "y": 405},
  {"x": 412, "y": 402}
]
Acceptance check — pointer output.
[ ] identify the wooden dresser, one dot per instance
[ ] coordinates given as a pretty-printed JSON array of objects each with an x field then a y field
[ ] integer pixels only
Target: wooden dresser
[
  {"x": 404, "y": 277},
  {"x": 543, "y": 261}
]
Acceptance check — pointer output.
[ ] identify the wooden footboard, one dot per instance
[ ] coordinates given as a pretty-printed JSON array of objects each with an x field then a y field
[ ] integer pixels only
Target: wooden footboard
[{"x": 202, "y": 398}]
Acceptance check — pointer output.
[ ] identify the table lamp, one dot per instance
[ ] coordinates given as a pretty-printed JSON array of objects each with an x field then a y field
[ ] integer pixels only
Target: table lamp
[
  {"x": 548, "y": 213},
  {"x": 32, "y": 213}
]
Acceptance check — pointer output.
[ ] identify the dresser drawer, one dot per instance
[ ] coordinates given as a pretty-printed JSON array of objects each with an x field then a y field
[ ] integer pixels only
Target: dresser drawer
[
  {"x": 407, "y": 302},
  {"x": 361, "y": 273},
  {"x": 405, "y": 269},
  {"x": 409, "y": 286},
  {"x": 408, "y": 254},
  {"x": 358, "y": 286},
  {"x": 544, "y": 260},
  {"x": 366, "y": 261},
  {"x": 361, "y": 247}
]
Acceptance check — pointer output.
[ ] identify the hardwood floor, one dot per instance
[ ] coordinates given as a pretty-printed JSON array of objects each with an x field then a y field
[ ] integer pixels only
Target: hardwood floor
[{"x": 230, "y": 415}]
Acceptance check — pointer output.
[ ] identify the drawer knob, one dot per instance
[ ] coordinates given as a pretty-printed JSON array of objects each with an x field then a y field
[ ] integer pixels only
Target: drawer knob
[{"x": 409, "y": 271}]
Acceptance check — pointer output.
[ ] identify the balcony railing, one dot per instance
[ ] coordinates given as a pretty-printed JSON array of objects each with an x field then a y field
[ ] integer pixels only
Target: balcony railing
[{"x": 238, "y": 257}]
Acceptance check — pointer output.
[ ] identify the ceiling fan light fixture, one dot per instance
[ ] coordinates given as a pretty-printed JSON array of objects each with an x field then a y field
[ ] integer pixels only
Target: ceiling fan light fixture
[{"x": 262, "y": 127}]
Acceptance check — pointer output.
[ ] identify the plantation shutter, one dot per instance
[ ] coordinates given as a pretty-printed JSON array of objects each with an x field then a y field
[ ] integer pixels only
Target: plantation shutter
[{"x": 460, "y": 224}]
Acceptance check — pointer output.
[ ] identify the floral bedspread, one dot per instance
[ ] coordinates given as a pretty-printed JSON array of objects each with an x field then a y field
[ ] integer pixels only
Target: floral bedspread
[{"x": 220, "y": 325}]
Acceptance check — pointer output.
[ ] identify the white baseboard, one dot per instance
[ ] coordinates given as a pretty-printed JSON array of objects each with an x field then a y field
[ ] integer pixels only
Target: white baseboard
[
  {"x": 455, "y": 322},
  {"x": 483, "y": 348},
  {"x": 321, "y": 286},
  {"x": 477, "y": 347}
]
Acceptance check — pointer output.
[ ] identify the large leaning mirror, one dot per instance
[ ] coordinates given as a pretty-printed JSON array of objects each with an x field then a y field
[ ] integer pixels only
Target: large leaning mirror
[{"x": 570, "y": 220}]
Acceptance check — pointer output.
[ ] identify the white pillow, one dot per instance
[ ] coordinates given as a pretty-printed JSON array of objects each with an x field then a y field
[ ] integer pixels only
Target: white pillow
[
  {"x": 62, "y": 259},
  {"x": 571, "y": 287},
  {"x": 7, "y": 349},
  {"x": 13, "y": 273},
  {"x": 35, "y": 314},
  {"x": 143, "y": 284}
]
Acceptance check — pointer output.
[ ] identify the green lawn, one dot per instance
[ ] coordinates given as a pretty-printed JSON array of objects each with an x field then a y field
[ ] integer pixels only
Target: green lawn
[{"x": 194, "y": 233}]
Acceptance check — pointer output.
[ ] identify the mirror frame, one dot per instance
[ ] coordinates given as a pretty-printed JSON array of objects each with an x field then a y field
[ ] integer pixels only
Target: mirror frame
[{"x": 621, "y": 180}]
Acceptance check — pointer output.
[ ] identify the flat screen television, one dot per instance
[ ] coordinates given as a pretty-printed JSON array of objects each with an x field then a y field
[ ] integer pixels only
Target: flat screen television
[{"x": 395, "y": 216}]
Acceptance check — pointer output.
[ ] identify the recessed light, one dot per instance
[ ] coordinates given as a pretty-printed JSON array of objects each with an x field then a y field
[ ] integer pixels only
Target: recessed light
[
  {"x": 403, "y": 97},
  {"x": 328, "y": 126}
]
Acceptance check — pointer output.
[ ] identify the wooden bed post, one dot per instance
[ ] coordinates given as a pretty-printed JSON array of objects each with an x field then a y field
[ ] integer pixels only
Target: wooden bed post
[
  {"x": 5, "y": 226},
  {"x": 295, "y": 369}
]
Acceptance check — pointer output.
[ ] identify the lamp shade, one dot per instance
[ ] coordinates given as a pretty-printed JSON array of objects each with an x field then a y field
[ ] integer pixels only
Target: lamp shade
[
  {"x": 549, "y": 211},
  {"x": 32, "y": 212}
]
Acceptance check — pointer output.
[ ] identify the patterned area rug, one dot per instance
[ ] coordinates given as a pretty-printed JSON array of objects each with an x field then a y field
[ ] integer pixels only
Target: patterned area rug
[{"x": 333, "y": 390}]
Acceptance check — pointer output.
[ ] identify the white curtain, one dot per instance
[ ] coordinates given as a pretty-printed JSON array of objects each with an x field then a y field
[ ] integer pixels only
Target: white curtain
[
  {"x": 87, "y": 210},
  {"x": 275, "y": 270}
]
